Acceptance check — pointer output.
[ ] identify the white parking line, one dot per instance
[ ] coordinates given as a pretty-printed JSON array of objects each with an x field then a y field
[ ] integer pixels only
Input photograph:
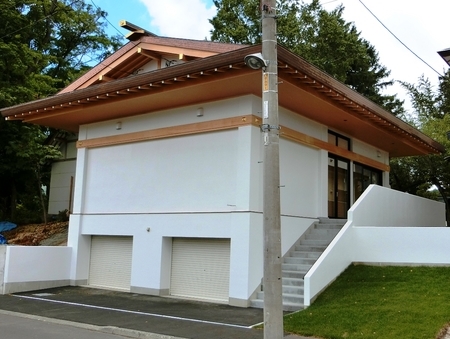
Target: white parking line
[{"x": 132, "y": 312}]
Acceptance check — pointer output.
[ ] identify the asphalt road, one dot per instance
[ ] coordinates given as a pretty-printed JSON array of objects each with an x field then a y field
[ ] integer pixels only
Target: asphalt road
[{"x": 16, "y": 326}]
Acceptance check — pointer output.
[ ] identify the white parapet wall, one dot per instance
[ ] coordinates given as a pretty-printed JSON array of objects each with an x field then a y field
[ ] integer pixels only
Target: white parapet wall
[
  {"x": 384, "y": 227},
  {"x": 28, "y": 268},
  {"x": 382, "y": 206}
]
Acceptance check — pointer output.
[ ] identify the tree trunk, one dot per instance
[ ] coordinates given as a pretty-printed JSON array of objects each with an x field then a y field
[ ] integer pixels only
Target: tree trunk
[{"x": 41, "y": 196}]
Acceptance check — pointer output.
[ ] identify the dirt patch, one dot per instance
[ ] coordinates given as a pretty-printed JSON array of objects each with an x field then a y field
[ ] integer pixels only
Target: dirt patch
[
  {"x": 444, "y": 333},
  {"x": 50, "y": 234}
]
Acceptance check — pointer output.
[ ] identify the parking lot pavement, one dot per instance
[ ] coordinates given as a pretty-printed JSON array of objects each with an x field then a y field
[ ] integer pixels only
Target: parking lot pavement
[
  {"x": 136, "y": 312},
  {"x": 18, "y": 326}
]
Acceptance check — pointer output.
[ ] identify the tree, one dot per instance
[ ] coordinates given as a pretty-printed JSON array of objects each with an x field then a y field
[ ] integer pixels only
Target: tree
[
  {"x": 44, "y": 45},
  {"x": 427, "y": 176},
  {"x": 321, "y": 37}
]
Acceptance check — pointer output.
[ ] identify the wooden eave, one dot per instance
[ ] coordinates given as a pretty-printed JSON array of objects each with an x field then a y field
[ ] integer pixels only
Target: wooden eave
[
  {"x": 135, "y": 54},
  {"x": 303, "y": 88}
]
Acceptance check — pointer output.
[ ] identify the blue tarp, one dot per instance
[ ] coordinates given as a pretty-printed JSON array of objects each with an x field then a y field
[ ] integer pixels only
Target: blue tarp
[
  {"x": 2, "y": 240},
  {"x": 6, "y": 226}
]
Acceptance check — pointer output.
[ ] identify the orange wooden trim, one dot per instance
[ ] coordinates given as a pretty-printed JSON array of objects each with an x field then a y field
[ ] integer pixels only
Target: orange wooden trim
[
  {"x": 290, "y": 134},
  {"x": 169, "y": 132},
  {"x": 176, "y": 50},
  {"x": 224, "y": 124}
]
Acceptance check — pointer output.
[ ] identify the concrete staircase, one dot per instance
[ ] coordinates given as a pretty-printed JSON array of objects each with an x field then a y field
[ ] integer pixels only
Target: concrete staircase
[{"x": 300, "y": 259}]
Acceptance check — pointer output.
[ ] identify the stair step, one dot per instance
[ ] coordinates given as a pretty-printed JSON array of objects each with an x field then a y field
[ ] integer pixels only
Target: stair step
[
  {"x": 292, "y": 281},
  {"x": 309, "y": 248},
  {"x": 315, "y": 242},
  {"x": 257, "y": 303},
  {"x": 302, "y": 260},
  {"x": 293, "y": 298},
  {"x": 294, "y": 290},
  {"x": 293, "y": 274},
  {"x": 293, "y": 266},
  {"x": 306, "y": 254},
  {"x": 324, "y": 232},
  {"x": 287, "y": 306},
  {"x": 299, "y": 260}
]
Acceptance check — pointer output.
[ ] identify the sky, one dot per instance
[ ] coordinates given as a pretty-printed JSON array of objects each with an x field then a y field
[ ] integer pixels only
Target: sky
[{"x": 422, "y": 26}]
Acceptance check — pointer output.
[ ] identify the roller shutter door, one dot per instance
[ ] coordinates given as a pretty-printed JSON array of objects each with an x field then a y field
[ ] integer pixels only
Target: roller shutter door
[
  {"x": 201, "y": 268},
  {"x": 110, "y": 264}
]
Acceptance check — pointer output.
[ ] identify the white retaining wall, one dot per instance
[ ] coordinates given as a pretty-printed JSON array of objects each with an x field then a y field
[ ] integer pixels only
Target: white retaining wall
[
  {"x": 28, "y": 268},
  {"x": 384, "y": 227},
  {"x": 2, "y": 266}
]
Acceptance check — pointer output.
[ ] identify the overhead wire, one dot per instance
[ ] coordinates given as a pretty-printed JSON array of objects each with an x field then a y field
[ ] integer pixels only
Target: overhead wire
[{"x": 409, "y": 49}]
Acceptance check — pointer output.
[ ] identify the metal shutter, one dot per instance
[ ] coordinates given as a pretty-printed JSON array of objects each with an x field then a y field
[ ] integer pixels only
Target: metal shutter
[
  {"x": 111, "y": 262},
  {"x": 201, "y": 268}
]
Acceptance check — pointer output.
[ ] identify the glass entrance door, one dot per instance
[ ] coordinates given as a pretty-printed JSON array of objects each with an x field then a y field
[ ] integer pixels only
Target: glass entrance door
[{"x": 338, "y": 187}]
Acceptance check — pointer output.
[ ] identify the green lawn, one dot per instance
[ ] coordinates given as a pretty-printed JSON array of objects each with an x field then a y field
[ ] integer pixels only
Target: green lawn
[{"x": 379, "y": 302}]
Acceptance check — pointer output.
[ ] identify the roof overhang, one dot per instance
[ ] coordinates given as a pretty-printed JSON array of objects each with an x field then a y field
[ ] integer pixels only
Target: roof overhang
[
  {"x": 303, "y": 89},
  {"x": 445, "y": 54}
]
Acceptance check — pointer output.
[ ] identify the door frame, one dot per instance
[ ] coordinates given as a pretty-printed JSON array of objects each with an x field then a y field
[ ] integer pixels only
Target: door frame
[{"x": 334, "y": 190}]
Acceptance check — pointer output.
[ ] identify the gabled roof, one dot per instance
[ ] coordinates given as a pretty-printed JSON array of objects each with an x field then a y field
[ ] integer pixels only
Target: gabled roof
[
  {"x": 303, "y": 89},
  {"x": 133, "y": 55}
]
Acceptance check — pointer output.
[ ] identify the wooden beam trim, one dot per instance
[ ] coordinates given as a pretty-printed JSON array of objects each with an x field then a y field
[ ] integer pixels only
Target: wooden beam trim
[
  {"x": 148, "y": 54},
  {"x": 224, "y": 124},
  {"x": 169, "y": 132},
  {"x": 302, "y": 138}
]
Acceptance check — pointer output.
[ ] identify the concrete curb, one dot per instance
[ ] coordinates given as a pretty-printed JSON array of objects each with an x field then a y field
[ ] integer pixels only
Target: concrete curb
[{"x": 105, "y": 329}]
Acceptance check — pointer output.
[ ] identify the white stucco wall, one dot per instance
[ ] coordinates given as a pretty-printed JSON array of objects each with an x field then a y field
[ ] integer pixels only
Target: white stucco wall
[
  {"x": 381, "y": 206},
  {"x": 205, "y": 185},
  {"x": 221, "y": 109},
  {"x": 370, "y": 152},
  {"x": 60, "y": 186},
  {"x": 189, "y": 173},
  {"x": 299, "y": 178},
  {"x": 403, "y": 245},
  {"x": 36, "y": 267}
]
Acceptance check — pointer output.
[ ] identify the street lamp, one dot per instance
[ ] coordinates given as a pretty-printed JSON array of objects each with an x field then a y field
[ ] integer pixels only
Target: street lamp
[
  {"x": 267, "y": 61},
  {"x": 256, "y": 61}
]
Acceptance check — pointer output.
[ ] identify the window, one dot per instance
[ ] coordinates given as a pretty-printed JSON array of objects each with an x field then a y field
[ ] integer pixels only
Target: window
[
  {"x": 363, "y": 176},
  {"x": 339, "y": 140}
]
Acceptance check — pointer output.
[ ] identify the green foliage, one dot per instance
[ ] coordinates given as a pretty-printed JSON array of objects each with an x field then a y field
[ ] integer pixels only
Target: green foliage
[
  {"x": 378, "y": 302},
  {"x": 321, "y": 37},
  {"x": 44, "y": 46},
  {"x": 427, "y": 176}
]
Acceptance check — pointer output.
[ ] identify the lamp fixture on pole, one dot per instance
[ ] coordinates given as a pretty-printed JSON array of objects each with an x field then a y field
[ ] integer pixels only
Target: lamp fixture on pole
[{"x": 256, "y": 61}]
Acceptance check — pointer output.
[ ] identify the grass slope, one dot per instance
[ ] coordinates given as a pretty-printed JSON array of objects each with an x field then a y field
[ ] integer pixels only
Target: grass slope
[{"x": 379, "y": 302}]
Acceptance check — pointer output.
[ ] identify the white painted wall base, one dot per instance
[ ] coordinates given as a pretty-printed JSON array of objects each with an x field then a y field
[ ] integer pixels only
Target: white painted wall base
[{"x": 33, "y": 285}]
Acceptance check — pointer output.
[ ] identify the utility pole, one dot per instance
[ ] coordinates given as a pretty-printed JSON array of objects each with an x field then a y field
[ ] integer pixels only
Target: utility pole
[{"x": 273, "y": 303}]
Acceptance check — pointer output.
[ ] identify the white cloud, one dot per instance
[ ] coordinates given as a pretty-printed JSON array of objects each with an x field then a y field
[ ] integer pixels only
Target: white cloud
[{"x": 181, "y": 19}]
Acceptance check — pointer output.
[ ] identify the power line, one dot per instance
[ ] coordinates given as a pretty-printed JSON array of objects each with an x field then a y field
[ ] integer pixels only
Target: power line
[
  {"x": 409, "y": 49},
  {"x": 104, "y": 17}
]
